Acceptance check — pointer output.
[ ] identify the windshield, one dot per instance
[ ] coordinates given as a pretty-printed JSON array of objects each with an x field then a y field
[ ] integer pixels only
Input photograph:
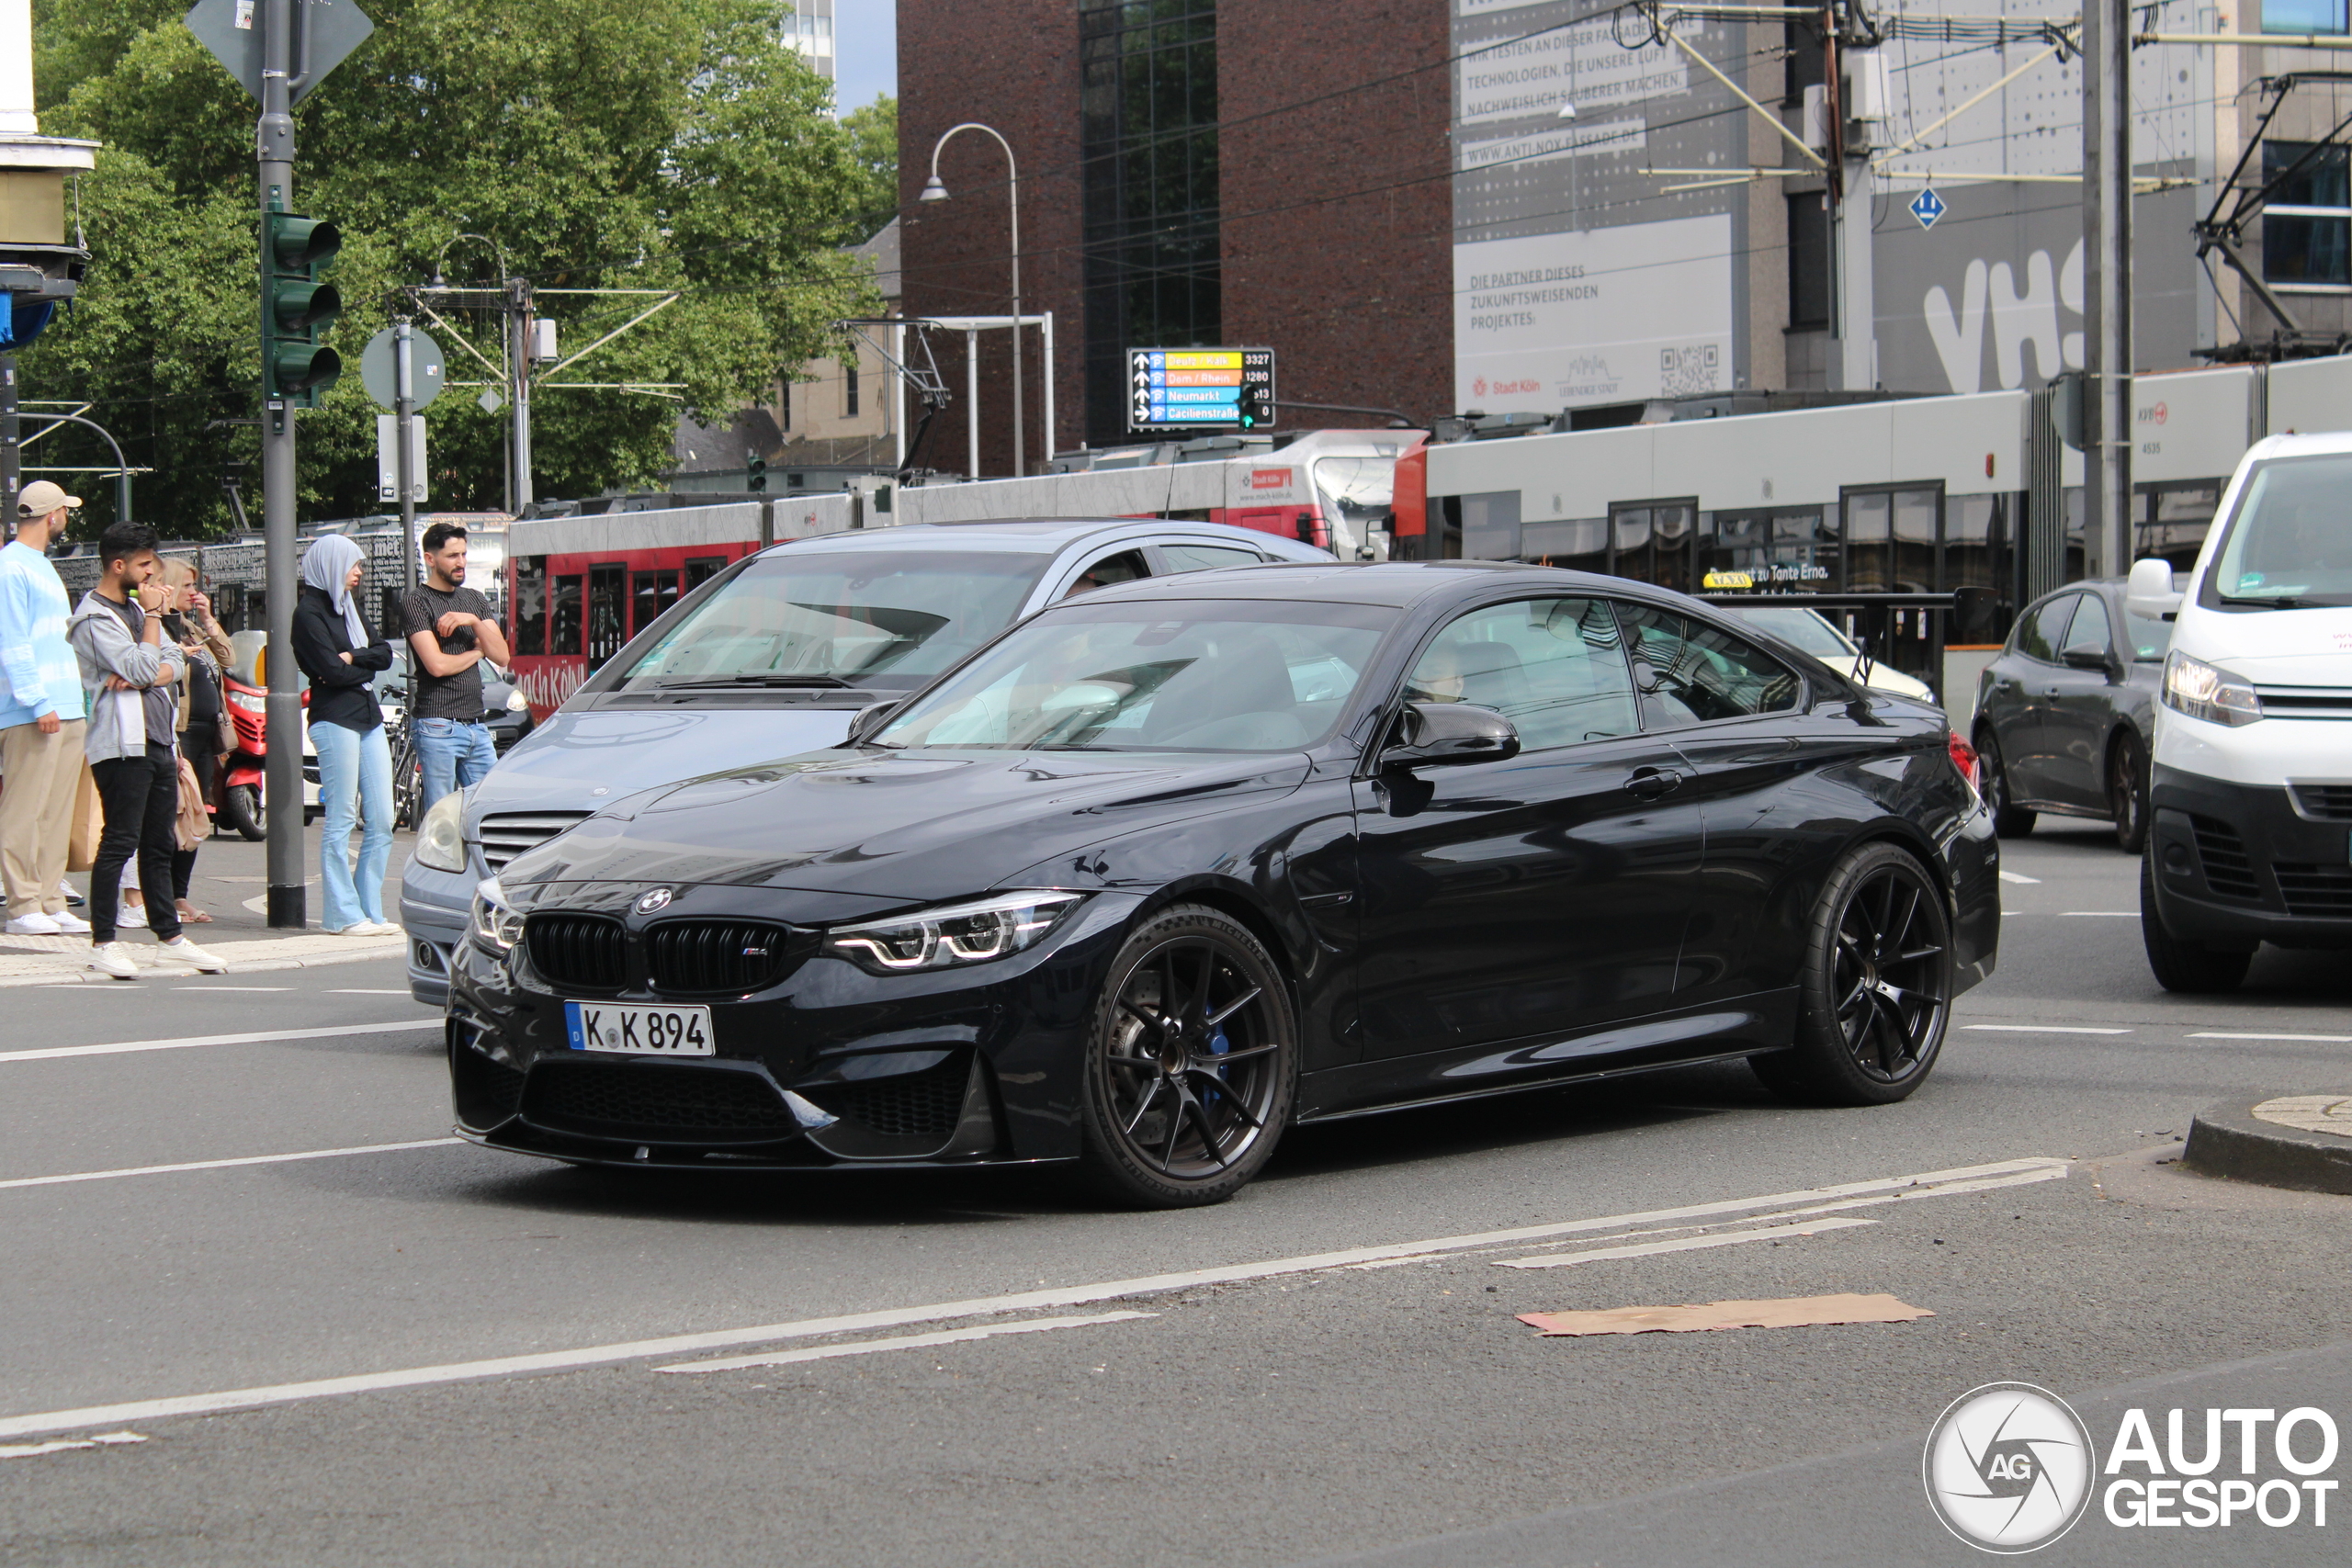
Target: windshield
[
  {"x": 1159, "y": 674},
  {"x": 877, "y": 618},
  {"x": 1808, "y": 629},
  {"x": 2290, "y": 543},
  {"x": 1361, "y": 490}
]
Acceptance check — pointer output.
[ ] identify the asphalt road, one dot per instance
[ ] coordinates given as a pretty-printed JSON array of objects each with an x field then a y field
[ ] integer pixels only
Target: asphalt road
[{"x": 425, "y": 1352}]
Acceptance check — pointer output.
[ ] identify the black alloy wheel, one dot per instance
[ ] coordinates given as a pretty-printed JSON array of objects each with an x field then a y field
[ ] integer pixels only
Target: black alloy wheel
[
  {"x": 2010, "y": 821},
  {"x": 2179, "y": 965},
  {"x": 2127, "y": 793},
  {"x": 1192, "y": 1063},
  {"x": 1875, "y": 988}
]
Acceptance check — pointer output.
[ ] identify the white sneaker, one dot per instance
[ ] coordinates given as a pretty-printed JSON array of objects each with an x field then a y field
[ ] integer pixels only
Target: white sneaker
[
  {"x": 380, "y": 928},
  {"x": 114, "y": 958},
  {"x": 71, "y": 925},
  {"x": 66, "y": 891},
  {"x": 128, "y": 919},
  {"x": 36, "y": 924},
  {"x": 180, "y": 950}
]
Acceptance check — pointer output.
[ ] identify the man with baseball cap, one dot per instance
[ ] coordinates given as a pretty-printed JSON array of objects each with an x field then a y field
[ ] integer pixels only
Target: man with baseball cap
[{"x": 41, "y": 719}]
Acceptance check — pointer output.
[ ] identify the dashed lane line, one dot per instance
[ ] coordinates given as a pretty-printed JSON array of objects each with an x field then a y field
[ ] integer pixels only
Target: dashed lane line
[
  {"x": 2021, "y": 878},
  {"x": 2312, "y": 1039},
  {"x": 1680, "y": 1243},
  {"x": 2043, "y": 1029},
  {"x": 38, "y": 1422},
  {"x": 227, "y": 1164},
  {"x": 905, "y": 1342},
  {"x": 187, "y": 1041}
]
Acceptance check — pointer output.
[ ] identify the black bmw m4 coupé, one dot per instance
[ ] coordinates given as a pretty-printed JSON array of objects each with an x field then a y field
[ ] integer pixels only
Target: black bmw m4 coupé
[{"x": 1173, "y": 865}]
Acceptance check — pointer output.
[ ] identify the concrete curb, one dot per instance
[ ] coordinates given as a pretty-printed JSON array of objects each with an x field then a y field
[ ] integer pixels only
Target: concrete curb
[
  {"x": 2228, "y": 1140},
  {"x": 77, "y": 976}
]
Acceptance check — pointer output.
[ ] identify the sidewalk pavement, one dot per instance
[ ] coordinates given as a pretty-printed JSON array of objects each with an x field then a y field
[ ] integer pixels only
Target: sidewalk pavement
[{"x": 64, "y": 960}]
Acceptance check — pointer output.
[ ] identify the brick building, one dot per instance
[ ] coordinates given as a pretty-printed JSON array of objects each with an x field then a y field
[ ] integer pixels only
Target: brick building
[{"x": 1179, "y": 187}]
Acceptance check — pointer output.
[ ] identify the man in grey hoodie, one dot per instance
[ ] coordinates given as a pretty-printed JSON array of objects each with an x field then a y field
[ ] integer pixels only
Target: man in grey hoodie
[{"x": 129, "y": 679}]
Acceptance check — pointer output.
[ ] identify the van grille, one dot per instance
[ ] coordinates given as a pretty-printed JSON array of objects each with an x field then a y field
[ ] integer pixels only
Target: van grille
[
  {"x": 578, "y": 952},
  {"x": 512, "y": 833},
  {"x": 682, "y": 956},
  {"x": 2228, "y": 869},
  {"x": 2304, "y": 702},
  {"x": 2312, "y": 889},
  {"x": 2323, "y": 802}
]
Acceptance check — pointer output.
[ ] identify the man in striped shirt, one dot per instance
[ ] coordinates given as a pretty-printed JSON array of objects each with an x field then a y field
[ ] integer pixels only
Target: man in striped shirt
[{"x": 41, "y": 719}]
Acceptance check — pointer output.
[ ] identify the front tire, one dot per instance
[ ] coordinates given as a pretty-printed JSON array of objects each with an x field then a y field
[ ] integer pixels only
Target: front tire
[
  {"x": 241, "y": 808},
  {"x": 1190, "y": 1066},
  {"x": 1875, "y": 989},
  {"x": 2009, "y": 820},
  {"x": 2127, "y": 793},
  {"x": 2179, "y": 965}
]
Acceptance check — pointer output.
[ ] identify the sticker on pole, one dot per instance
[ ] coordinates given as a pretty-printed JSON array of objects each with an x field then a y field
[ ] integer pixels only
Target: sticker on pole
[{"x": 1927, "y": 207}]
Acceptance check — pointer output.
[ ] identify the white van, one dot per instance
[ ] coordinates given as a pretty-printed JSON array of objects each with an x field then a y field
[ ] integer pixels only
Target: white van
[{"x": 2251, "y": 792}]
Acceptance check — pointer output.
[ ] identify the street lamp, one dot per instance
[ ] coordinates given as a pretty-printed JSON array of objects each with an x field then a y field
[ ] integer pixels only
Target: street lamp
[{"x": 934, "y": 191}]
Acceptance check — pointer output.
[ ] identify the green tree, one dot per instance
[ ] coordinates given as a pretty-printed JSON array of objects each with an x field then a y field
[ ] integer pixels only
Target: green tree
[
  {"x": 612, "y": 144},
  {"x": 874, "y": 144}
]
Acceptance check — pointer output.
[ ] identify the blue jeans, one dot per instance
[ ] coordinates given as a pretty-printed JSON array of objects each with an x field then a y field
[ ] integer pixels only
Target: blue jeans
[
  {"x": 355, "y": 783},
  {"x": 454, "y": 755}
]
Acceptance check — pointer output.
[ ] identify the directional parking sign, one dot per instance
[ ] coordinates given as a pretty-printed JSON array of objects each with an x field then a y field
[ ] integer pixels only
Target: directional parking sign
[
  {"x": 1198, "y": 388},
  {"x": 1927, "y": 207}
]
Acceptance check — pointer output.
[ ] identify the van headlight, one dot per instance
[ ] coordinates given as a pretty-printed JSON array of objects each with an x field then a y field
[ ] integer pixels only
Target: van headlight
[
  {"x": 969, "y": 932},
  {"x": 495, "y": 925},
  {"x": 441, "y": 836},
  {"x": 2200, "y": 690}
]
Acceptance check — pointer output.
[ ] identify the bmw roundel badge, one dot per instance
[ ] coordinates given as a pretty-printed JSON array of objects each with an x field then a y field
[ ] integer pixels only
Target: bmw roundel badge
[{"x": 657, "y": 899}]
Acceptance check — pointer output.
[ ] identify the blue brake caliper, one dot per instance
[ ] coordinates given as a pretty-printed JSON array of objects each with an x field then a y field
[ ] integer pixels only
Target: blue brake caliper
[{"x": 1219, "y": 1045}]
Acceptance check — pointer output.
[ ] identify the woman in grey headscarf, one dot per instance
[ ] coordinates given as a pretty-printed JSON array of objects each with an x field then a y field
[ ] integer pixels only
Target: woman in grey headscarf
[{"x": 340, "y": 655}]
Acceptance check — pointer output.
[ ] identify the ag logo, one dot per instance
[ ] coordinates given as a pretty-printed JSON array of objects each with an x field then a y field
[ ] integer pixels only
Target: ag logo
[
  {"x": 2009, "y": 1468},
  {"x": 657, "y": 899}
]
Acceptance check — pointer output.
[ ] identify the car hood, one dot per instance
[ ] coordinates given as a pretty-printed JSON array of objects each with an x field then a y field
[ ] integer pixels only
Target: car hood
[
  {"x": 579, "y": 762},
  {"x": 2285, "y": 648},
  {"x": 908, "y": 826}
]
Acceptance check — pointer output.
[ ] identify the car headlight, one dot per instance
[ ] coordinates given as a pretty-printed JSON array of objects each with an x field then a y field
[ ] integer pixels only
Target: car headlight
[
  {"x": 441, "y": 836},
  {"x": 2198, "y": 690},
  {"x": 495, "y": 925},
  {"x": 953, "y": 934},
  {"x": 516, "y": 702}
]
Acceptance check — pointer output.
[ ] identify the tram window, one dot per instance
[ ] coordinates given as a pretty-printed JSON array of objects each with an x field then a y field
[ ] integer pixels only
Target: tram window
[
  {"x": 1579, "y": 544},
  {"x": 530, "y": 604},
  {"x": 650, "y": 592},
  {"x": 1915, "y": 539},
  {"x": 1490, "y": 525},
  {"x": 1803, "y": 549},
  {"x": 1652, "y": 542},
  {"x": 563, "y": 627},
  {"x": 1869, "y": 541},
  {"x": 607, "y": 585},
  {"x": 701, "y": 571}
]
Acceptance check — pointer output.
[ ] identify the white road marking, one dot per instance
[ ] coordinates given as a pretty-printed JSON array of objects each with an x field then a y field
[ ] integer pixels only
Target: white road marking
[
  {"x": 904, "y": 1342},
  {"x": 2017, "y": 876},
  {"x": 260, "y": 1037},
  {"x": 340, "y": 992},
  {"x": 2043, "y": 1029},
  {"x": 984, "y": 1306},
  {"x": 33, "y": 1450},
  {"x": 1680, "y": 1243},
  {"x": 201, "y": 987},
  {"x": 2315, "y": 1038},
  {"x": 2098, "y": 914},
  {"x": 226, "y": 1164}
]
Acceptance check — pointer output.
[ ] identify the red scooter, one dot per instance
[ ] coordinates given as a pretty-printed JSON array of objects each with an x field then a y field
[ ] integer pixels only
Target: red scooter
[{"x": 240, "y": 804}]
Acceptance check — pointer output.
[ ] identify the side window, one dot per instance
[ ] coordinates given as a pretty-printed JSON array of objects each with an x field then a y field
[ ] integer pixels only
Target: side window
[
  {"x": 1555, "y": 668},
  {"x": 2089, "y": 628},
  {"x": 1688, "y": 672},
  {"x": 2041, "y": 633},
  {"x": 1124, "y": 566},
  {"x": 1207, "y": 558}
]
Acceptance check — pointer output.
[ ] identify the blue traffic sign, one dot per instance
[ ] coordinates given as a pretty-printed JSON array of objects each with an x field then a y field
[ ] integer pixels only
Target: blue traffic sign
[{"x": 1927, "y": 207}]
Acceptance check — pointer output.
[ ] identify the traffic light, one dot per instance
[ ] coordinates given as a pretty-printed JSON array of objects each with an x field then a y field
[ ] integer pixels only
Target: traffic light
[
  {"x": 758, "y": 468},
  {"x": 296, "y": 308},
  {"x": 1254, "y": 408}
]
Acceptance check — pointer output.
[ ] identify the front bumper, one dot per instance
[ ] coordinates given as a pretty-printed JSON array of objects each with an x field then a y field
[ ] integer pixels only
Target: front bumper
[
  {"x": 2236, "y": 864},
  {"x": 434, "y": 907},
  {"x": 830, "y": 1065}
]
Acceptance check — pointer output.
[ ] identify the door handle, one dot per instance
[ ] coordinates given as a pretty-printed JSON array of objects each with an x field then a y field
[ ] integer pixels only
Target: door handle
[{"x": 1652, "y": 783}]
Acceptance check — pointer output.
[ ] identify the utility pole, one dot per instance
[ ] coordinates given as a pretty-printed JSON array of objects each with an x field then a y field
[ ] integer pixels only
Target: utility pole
[
  {"x": 518, "y": 359},
  {"x": 404, "y": 444},
  {"x": 282, "y": 783},
  {"x": 2107, "y": 335}
]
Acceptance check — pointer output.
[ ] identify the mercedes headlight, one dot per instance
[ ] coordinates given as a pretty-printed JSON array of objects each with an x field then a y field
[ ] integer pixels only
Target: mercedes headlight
[
  {"x": 952, "y": 934},
  {"x": 441, "y": 836},
  {"x": 2198, "y": 690},
  {"x": 496, "y": 924}
]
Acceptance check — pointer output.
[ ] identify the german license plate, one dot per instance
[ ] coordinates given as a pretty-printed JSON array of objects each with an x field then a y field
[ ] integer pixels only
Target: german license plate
[{"x": 638, "y": 1030}]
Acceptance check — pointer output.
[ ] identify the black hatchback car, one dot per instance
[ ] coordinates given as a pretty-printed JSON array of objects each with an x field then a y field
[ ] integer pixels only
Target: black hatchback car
[
  {"x": 2066, "y": 716},
  {"x": 1168, "y": 867}
]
